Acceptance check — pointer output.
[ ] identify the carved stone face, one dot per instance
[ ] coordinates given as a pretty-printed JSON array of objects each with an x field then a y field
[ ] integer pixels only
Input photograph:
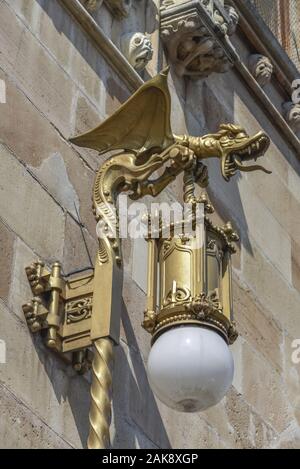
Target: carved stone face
[
  {"x": 295, "y": 115},
  {"x": 141, "y": 50},
  {"x": 236, "y": 147},
  {"x": 138, "y": 50},
  {"x": 292, "y": 115},
  {"x": 261, "y": 68}
]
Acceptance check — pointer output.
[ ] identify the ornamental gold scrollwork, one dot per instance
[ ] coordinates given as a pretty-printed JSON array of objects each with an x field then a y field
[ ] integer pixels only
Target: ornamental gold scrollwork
[
  {"x": 202, "y": 309},
  {"x": 78, "y": 310},
  {"x": 179, "y": 295}
]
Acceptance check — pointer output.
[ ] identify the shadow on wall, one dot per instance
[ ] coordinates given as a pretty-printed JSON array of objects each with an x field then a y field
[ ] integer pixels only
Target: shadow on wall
[
  {"x": 137, "y": 419},
  {"x": 68, "y": 387}
]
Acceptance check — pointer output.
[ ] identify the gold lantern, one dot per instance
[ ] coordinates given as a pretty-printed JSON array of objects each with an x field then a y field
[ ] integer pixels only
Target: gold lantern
[{"x": 189, "y": 274}]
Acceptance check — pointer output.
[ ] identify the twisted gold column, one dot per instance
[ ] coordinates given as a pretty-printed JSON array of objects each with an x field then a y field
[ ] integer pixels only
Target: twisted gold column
[
  {"x": 188, "y": 186},
  {"x": 100, "y": 411}
]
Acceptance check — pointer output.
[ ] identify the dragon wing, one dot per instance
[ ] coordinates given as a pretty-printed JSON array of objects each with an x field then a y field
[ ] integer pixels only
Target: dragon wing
[{"x": 141, "y": 123}]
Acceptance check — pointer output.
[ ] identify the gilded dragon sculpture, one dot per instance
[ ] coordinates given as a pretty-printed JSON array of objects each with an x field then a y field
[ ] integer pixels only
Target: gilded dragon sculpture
[
  {"x": 141, "y": 128},
  {"x": 140, "y": 135}
]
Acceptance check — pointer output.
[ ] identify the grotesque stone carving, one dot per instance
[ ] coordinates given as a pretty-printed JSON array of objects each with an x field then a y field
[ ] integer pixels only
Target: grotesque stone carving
[
  {"x": 234, "y": 19},
  {"x": 92, "y": 5},
  {"x": 261, "y": 68},
  {"x": 292, "y": 115},
  {"x": 190, "y": 31},
  {"x": 138, "y": 50},
  {"x": 119, "y": 8}
]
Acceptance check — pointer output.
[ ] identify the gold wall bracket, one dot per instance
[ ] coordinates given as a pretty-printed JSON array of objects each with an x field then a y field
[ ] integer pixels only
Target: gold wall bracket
[
  {"x": 79, "y": 324},
  {"x": 61, "y": 310}
]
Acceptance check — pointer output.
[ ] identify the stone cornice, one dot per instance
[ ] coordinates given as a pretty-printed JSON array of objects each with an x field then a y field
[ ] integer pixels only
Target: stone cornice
[
  {"x": 105, "y": 46},
  {"x": 192, "y": 32}
]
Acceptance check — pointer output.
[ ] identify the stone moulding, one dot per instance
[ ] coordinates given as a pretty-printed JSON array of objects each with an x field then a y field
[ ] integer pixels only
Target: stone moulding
[{"x": 191, "y": 31}]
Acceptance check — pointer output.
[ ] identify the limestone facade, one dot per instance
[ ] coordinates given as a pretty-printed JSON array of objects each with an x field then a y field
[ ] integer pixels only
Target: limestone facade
[{"x": 60, "y": 80}]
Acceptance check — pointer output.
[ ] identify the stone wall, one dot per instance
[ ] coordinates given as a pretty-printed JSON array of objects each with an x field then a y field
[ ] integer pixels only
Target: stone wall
[{"x": 57, "y": 85}]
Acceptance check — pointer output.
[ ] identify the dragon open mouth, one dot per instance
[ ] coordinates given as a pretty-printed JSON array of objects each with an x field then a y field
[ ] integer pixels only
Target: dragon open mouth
[{"x": 235, "y": 158}]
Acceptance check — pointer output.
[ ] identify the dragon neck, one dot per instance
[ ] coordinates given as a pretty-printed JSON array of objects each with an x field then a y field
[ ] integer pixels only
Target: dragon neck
[
  {"x": 104, "y": 201},
  {"x": 203, "y": 147}
]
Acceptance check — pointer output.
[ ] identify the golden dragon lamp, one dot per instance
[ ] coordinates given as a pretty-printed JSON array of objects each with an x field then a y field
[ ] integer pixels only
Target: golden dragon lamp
[
  {"x": 189, "y": 298},
  {"x": 194, "y": 282}
]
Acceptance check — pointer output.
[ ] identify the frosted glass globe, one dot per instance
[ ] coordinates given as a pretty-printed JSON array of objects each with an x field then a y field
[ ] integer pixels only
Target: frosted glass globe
[{"x": 190, "y": 368}]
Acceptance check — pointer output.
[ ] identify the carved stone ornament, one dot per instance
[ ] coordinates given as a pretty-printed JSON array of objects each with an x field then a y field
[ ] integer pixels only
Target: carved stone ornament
[
  {"x": 261, "y": 68},
  {"x": 138, "y": 50},
  {"x": 292, "y": 115},
  {"x": 92, "y": 5},
  {"x": 119, "y": 8},
  {"x": 191, "y": 31}
]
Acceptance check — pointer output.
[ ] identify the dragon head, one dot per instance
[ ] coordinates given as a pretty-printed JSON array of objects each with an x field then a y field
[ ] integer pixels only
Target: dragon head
[{"x": 235, "y": 147}]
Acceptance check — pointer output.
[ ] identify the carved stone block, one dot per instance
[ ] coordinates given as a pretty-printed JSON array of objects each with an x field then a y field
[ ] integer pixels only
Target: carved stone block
[{"x": 191, "y": 31}]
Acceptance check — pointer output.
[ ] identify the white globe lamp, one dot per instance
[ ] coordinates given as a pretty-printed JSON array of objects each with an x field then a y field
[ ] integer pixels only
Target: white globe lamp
[{"x": 190, "y": 368}]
